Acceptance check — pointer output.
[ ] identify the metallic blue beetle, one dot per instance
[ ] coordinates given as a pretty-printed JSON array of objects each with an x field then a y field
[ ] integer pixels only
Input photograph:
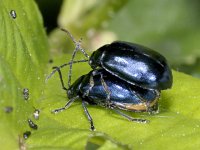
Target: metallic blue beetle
[
  {"x": 99, "y": 87},
  {"x": 95, "y": 85},
  {"x": 134, "y": 64}
]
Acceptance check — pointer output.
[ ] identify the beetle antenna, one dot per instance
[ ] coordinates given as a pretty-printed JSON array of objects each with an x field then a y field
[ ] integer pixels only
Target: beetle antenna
[
  {"x": 77, "y": 47},
  {"x": 61, "y": 79},
  {"x": 70, "y": 66},
  {"x": 76, "y": 43},
  {"x": 66, "y": 64}
]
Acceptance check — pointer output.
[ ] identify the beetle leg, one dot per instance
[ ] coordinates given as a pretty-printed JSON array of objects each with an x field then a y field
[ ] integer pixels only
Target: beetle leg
[
  {"x": 88, "y": 115},
  {"x": 61, "y": 79},
  {"x": 91, "y": 86},
  {"x": 129, "y": 117},
  {"x": 108, "y": 92},
  {"x": 67, "y": 105}
]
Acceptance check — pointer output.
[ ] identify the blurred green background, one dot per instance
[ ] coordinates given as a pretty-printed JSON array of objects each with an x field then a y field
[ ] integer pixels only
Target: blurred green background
[{"x": 170, "y": 27}]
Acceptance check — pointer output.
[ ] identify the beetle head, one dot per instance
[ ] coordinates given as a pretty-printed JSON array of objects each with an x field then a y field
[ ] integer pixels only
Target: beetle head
[
  {"x": 95, "y": 58},
  {"x": 93, "y": 61}
]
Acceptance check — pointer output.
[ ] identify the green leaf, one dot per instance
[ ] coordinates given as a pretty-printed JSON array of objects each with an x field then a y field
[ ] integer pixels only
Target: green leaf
[{"x": 23, "y": 58}]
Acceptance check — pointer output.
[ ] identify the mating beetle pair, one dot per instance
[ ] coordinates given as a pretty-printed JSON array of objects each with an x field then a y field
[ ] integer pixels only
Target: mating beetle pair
[{"x": 125, "y": 76}]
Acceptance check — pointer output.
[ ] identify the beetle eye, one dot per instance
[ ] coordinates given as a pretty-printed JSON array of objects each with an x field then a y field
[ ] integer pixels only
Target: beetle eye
[{"x": 92, "y": 64}]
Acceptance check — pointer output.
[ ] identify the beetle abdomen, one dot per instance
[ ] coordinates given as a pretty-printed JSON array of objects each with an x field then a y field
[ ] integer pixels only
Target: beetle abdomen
[{"x": 143, "y": 106}]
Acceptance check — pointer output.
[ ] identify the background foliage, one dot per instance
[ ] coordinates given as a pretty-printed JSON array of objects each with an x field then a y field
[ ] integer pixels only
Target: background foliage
[{"x": 170, "y": 27}]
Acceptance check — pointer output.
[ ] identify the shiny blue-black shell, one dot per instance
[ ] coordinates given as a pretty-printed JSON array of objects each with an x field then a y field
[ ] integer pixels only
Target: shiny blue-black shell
[
  {"x": 121, "y": 91},
  {"x": 134, "y": 64}
]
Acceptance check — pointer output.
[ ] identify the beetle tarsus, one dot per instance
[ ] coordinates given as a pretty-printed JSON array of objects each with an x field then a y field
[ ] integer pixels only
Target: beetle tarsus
[
  {"x": 57, "y": 110},
  {"x": 92, "y": 127},
  {"x": 139, "y": 120}
]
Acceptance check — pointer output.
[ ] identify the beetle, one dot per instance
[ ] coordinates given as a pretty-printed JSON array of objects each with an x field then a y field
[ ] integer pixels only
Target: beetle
[
  {"x": 98, "y": 87},
  {"x": 133, "y": 63}
]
